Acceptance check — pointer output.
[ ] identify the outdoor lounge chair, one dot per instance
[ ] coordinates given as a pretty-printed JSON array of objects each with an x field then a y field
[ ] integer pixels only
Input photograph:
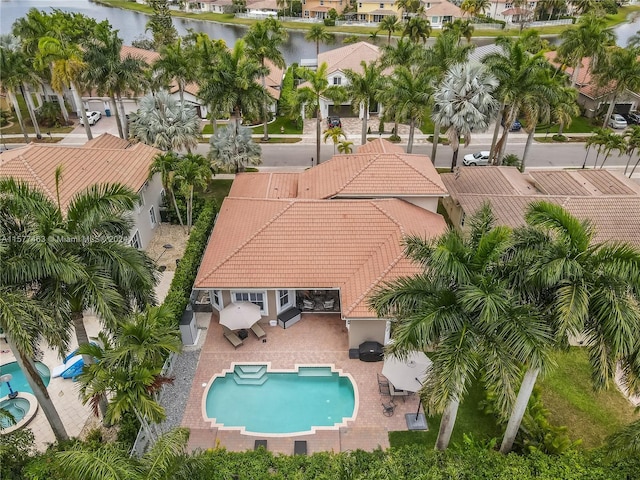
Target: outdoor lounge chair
[
  {"x": 234, "y": 339},
  {"x": 257, "y": 329},
  {"x": 308, "y": 304},
  {"x": 383, "y": 385},
  {"x": 300, "y": 447},
  {"x": 260, "y": 443},
  {"x": 328, "y": 304},
  {"x": 398, "y": 393}
]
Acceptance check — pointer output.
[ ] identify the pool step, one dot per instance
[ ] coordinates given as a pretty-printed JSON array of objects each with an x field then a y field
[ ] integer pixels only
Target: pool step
[
  {"x": 250, "y": 374},
  {"x": 314, "y": 372}
]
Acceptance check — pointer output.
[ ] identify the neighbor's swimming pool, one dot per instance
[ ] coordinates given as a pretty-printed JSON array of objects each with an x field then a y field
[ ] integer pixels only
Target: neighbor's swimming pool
[
  {"x": 19, "y": 381},
  {"x": 265, "y": 402}
]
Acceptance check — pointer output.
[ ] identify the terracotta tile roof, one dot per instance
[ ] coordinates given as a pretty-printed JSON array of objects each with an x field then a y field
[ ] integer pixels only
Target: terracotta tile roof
[
  {"x": 106, "y": 140},
  {"x": 445, "y": 9},
  {"x": 587, "y": 86},
  {"x": 265, "y": 185},
  {"x": 346, "y": 244},
  {"x": 349, "y": 57},
  {"x": 380, "y": 146},
  {"x": 557, "y": 183},
  {"x": 609, "y": 184},
  {"x": 372, "y": 175},
  {"x": 262, "y": 4},
  {"x": 81, "y": 166},
  {"x": 474, "y": 180},
  {"x": 149, "y": 56}
]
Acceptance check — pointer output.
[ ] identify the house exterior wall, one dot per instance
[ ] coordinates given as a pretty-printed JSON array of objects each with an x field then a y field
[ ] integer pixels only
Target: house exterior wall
[
  {"x": 365, "y": 9},
  {"x": 426, "y": 203},
  {"x": 454, "y": 211},
  {"x": 366, "y": 330},
  {"x": 499, "y": 6},
  {"x": 309, "y": 5},
  {"x": 150, "y": 198}
]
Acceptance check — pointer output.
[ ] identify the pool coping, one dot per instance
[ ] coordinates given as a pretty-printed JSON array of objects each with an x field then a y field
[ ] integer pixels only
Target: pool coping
[
  {"x": 28, "y": 416},
  {"x": 296, "y": 369}
]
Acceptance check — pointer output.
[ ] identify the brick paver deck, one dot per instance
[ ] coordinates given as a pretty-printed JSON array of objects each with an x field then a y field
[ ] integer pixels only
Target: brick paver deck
[{"x": 316, "y": 339}]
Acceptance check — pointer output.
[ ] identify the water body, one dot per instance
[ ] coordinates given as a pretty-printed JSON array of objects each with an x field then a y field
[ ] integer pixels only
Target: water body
[{"x": 132, "y": 25}]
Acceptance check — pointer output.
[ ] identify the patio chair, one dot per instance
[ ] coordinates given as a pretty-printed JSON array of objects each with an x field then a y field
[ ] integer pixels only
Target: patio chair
[
  {"x": 234, "y": 339},
  {"x": 328, "y": 304},
  {"x": 257, "y": 329},
  {"x": 300, "y": 447},
  {"x": 260, "y": 443},
  {"x": 383, "y": 385},
  {"x": 398, "y": 393},
  {"x": 388, "y": 408},
  {"x": 308, "y": 305}
]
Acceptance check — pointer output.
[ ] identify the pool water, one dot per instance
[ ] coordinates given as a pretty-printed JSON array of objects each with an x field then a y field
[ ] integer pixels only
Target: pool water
[
  {"x": 17, "y": 407},
  {"x": 280, "y": 403},
  {"x": 19, "y": 381}
]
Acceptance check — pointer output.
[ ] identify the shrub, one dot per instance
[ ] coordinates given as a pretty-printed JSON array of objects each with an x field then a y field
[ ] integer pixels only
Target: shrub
[
  {"x": 128, "y": 430},
  {"x": 15, "y": 451},
  {"x": 5, "y": 115},
  {"x": 394, "y": 138},
  {"x": 511, "y": 160},
  {"x": 381, "y": 125},
  {"x": 559, "y": 138},
  {"x": 329, "y": 22},
  {"x": 49, "y": 115}
]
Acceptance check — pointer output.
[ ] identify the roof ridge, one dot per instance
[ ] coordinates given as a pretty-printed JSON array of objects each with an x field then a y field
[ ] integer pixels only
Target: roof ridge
[
  {"x": 389, "y": 216},
  {"x": 251, "y": 237},
  {"x": 401, "y": 157},
  {"x": 37, "y": 178},
  {"x": 357, "y": 174}
]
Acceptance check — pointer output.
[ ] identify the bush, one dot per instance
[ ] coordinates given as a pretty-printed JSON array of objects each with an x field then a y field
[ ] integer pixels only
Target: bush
[
  {"x": 511, "y": 160},
  {"x": 5, "y": 115},
  {"x": 128, "y": 430},
  {"x": 329, "y": 22},
  {"x": 15, "y": 451},
  {"x": 559, "y": 138},
  {"x": 394, "y": 138},
  {"x": 49, "y": 115},
  {"x": 381, "y": 126}
]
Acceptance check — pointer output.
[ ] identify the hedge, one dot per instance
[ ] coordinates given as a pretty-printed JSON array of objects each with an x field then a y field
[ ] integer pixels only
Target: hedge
[{"x": 180, "y": 291}]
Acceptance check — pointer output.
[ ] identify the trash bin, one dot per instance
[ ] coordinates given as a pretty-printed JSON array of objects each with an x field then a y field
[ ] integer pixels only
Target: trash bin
[{"x": 107, "y": 112}]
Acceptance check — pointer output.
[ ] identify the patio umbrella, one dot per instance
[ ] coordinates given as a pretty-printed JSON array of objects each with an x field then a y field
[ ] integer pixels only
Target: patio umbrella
[
  {"x": 240, "y": 315},
  {"x": 408, "y": 374}
]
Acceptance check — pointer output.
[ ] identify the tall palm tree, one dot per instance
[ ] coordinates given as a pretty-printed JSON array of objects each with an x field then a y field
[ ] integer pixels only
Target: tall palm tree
[
  {"x": 464, "y": 102},
  {"x": 417, "y": 29},
  {"x": 620, "y": 68},
  {"x": 319, "y": 34},
  {"x": 164, "y": 123},
  {"x": 460, "y": 28},
  {"x": 193, "y": 170},
  {"x": 264, "y": 40},
  {"x": 68, "y": 66},
  {"x": 584, "y": 287},
  {"x": 408, "y": 7},
  {"x": 389, "y": 24},
  {"x": 475, "y": 7},
  {"x": 632, "y": 136},
  {"x": 165, "y": 164},
  {"x": 13, "y": 71},
  {"x": 614, "y": 142},
  {"x": 233, "y": 147},
  {"x": 362, "y": 89},
  {"x": 318, "y": 86},
  {"x": 410, "y": 91},
  {"x": 334, "y": 134},
  {"x": 461, "y": 308},
  {"x": 176, "y": 63},
  {"x": 444, "y": 53},
  {"x": 519, "y": 73},
  {"x": 565, "y": 108}
]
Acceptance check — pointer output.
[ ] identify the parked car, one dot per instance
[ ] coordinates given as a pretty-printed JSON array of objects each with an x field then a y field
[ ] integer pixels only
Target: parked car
[
  {"x": 515, "y": 126},
  {"x": 334, "y": 121},
  {"x": 92, "y": 117},
  {"x": 632, "y": 118},
  {"x": 478, "y": 158},
  {"x": 617, "y": 121}
]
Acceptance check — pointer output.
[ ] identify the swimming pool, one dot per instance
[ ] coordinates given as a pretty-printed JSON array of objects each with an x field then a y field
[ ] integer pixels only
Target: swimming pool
[
  {"x": 19, "y": 381},
  {"x": 259, "y": 401}
]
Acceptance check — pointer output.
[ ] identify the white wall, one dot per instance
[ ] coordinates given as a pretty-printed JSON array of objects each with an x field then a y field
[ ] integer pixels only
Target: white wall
[
  {"x": 426, "y": 203},
  {"x": 151, "y": 194}
]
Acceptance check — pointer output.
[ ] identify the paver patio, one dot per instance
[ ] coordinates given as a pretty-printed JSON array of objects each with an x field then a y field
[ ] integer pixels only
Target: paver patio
[{"x": 316, "y": 339}]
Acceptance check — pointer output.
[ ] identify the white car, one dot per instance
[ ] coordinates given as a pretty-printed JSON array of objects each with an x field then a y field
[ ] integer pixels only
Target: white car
[
  {"x": 478, "y": 158},
  {"x": 617, "y": 121},
  {"x": 92, "y": 117}
]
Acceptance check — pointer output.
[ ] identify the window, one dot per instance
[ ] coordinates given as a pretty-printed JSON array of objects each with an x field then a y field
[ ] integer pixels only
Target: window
[
  {"x": 152, "y": 215},
  {"x": 382, "y": 5},
  {"x": 462, "y": 219},
  {"x": 283, "y": 298},
  {"x": 135, "y": 241},
  {"x": 337, "y": 80},
  {"x": 163, "y": 196},
  {"x": 508, "y": 5},
  {"x": 360, "y": 5},
  {"x": 216, "y": 298},
  {"x": 254, "y": 297},
  {"x": 321, "y": 2}
]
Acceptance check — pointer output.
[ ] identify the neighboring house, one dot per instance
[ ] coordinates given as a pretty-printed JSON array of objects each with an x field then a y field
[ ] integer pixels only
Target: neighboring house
[
  {"x": 507, "y": 11},
  {"x": 376, "y": 10},
  {"x": 320, "y": 8},
  {"x": 324, "y": 239},
  {"x": 212, "y": 6},
  {"x": 338, "y": 60},
  {"x": 441, "y": 12},
  {"x": 264, "y": 7},
  {"x": 105, "y": 159},
  {"x": 610, "y": 201},
  {"x": 594, "y": 99}
]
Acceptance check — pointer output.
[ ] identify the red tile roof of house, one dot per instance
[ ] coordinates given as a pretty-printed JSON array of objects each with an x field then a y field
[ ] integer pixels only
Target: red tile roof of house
[
  {"x": 348, "y": 244},
  {"x": 106, "y": 161}
]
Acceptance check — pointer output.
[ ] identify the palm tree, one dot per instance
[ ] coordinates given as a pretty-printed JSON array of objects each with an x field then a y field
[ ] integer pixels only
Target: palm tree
[
  {"x": 519, "y": 73},
  {"x": 345, "y": 147},
  {"x": 410, "y": 91},
  {"x": 176, "y": 63},
  {"x": 444, "y": 53},
  {"x": 234, "y": 147},
  {"x": 319, "y": 34},
  {"x": 417, "y": 29},
  {"x": 264, "y": 40},
  {"x": 461, "y": 308},
  {"x": 318, "y": 86},
  {"x": 164, "y": 123},
  {"x": 13, "y": 71},
  {"x": 362, "y": 89},
  {"x": 192, "y": 170},
  {"x": 633, "y": 144},
  {"x": 588, "y": 288},
  {"x": 334, "y": 134},
  {"x": 584, "y": 6},
  {"x": 475, "y": 7},
  {"x": 68, "y": 66},
  {"x": 619, "y": 67},
  {"x": 614, "y": 142},
  {"x": 165, "y": 164},
  {"x": 625, "y": 441},
  {"x": 464, "y": 102},
  {"x": 566, "y": 108},
  {"x": 389, "y": 24},
  {"x": 166, "y": 460},
  {"x": 460, "y": 28},
  {"x": 408, "y": 6}
]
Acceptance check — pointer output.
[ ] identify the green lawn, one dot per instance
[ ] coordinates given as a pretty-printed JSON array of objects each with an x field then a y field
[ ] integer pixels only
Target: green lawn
[
  {"x": 568, "y": 394},
  {"x": 280, "y": 125},
  {"x": 218, "y": 189},
  {"x": 578, "y": 125},
  {"x": 470, "y": 420}
]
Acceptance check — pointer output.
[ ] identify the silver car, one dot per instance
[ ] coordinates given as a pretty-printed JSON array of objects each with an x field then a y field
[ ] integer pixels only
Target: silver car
[
  {"x": 478, "y": 158},
  {"x": 617, "y": 121}
]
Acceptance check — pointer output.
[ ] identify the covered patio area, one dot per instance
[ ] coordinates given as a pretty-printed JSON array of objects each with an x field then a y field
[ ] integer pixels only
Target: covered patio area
[{"x": 317, "y": 339}]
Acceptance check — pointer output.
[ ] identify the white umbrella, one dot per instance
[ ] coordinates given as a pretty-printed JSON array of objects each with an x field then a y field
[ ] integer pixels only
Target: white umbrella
[
  {"x": 240, "y": 315},
  {"x": 408, "y": 374}
]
